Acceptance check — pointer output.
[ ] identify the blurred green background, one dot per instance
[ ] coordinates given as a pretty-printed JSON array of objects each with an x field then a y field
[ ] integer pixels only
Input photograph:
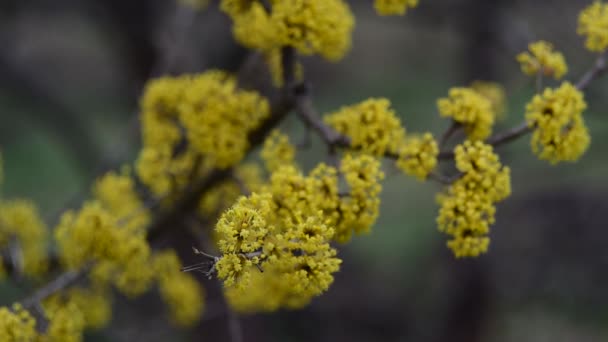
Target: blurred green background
[{"x": 70, "y": 77}]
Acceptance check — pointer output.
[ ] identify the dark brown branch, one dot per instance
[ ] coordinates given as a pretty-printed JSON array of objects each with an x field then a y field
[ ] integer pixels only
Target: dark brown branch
[
  {"x": 497, "y": 139},
  {"x": 308, "y": 114},
  {"x": 454, "y": 126},
  {"x": 596, "y": 71}
]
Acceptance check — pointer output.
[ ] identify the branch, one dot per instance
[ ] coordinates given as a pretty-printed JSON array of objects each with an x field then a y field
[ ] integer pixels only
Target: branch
[
  {"x": 596, "y": 71},
  {"x": 497, "y": 139},
  {"x": 62, "y": 281},
  {"x": 308, "y": 114}
]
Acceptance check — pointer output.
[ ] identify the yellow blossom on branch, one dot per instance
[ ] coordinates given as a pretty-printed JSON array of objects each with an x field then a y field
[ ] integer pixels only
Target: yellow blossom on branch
[
  {"x": 542, "y": 59},
  {"x": 470, "y": 109},
  {"x": 418, "y": 155},
  {"x": 311, "y": 26},
  {"x": 560, "y": 133},
  {"x": 372, "y": 126},
  {"x": 494, "y": 92},
  {"x": 467, "y": 208},
  {"x": 593, "y": 23}
]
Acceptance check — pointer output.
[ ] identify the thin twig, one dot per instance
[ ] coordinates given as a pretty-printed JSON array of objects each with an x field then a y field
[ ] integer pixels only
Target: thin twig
[
  {"x": 599, "y": 67},
  {"x": 59, "y": 283},
  {"x": 497, "y": 139},
  {"x": 454, "y": 126},
  {"x": 308, "y": 114}
]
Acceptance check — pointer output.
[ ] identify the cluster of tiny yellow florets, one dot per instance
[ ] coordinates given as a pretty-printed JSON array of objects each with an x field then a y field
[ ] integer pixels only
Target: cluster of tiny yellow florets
[
  {"x": 22, "y": 229},
  {"x": 418, "y": 155},
  {"x": 277, "y": 151},
  {"x": 372, "y": 126},
  {"x": 92, "y": 235},
  {"x": 181, "y": 292},
  {"x": 311, "y": 26},
  {"x": 468, "y": 207},
  {"x": 66, "y": 321},
  {"x": 542, "y": 59},
  {"x": 90, "y": 308},
  {"x": 495, "y": 93},
  {"x": 593, "y": 23},
  {"x": 559, "y": 133},
  {"x": 191, "y": 121},
  {"x": 285, "y": 231},
  {"x": 359, "y": 209},
  {"x": 393, "y": 7},
  {"x": 116, "y": 193},
  {"x": 260, "y": 247},
  {"x": 17, "y": 324},
  {"x": 471, "y": 110}
]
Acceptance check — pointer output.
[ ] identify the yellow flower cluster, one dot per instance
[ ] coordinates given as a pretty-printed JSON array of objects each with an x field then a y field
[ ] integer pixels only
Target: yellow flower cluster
[
  {"x": 191, "y": 120},
  {"x": 372, "y": 126},
  {"x": 91, "y": 308},
  {"x": 21, "y": 225},
  {"x": 470, "y": 109},
  {"x": 542, "y": 59},
  {"x": 116, "y": 193},
  {"x": 285, "y": 230},
  {"x": 94, "y": 235},
  {"x": 311, "y": 26},
  {"x": 360, "y": 208},
  {"x": 277, "y": 151},
  {"x": 593, "y": 23},
  {"x": 66, "y": 322},
  {"x": 418, "y": 155},
  {"x": 181, "y": 292},
  {"x": 494, "y": 92},
  {"x": 394, "y": 7},
  {"x": 17, "y": 325},
  {"x": 467, "y": 209},
  {"x": 298, "y": 264},
  {"x": 559, "y": 133}
]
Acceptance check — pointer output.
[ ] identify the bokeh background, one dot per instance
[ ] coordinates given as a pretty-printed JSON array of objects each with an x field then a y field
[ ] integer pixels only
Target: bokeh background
[{"x": 71, "y": 72}]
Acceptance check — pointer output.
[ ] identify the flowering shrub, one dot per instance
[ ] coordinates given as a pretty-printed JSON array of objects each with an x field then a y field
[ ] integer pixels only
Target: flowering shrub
[{"x": 278, "y": 228}]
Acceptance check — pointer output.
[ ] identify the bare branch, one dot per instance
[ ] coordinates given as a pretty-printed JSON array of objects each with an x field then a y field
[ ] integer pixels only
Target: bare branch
[
  {"x": 596, "y": 71},
  {"x": 59, "y": 283}
]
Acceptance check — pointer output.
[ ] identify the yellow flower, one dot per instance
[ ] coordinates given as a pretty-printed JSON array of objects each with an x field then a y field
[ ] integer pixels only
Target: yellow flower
[
  {"x": 467, "y": 208},
  {"x": 17, "y": 325},
  {"x": 242, "y": 232},
  {"x": 116, "y": 192},
  {"x": 359, "y": 209},
  {"x": 298, "y": 269},
  {"x": 311, "y": 26},
  {"x": 372, "y": 126},
  {"x": 277, "y": 151},
  {"x": 542, "y": 58},
  {"x": 593, "y": 23},
  {"x": 559, "y": 133},
  {"x": 20, "y": 220},
  {"x": 470, "y": 109},
  {"x": 418, "y": 155},
  {"x": 66, "y": 322},
  {"x": 393, "y": 7},
  {"x": 191, "y": 124},
  {"x": 181, "y": 292},
  {"x": 494, "y": 92}
]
